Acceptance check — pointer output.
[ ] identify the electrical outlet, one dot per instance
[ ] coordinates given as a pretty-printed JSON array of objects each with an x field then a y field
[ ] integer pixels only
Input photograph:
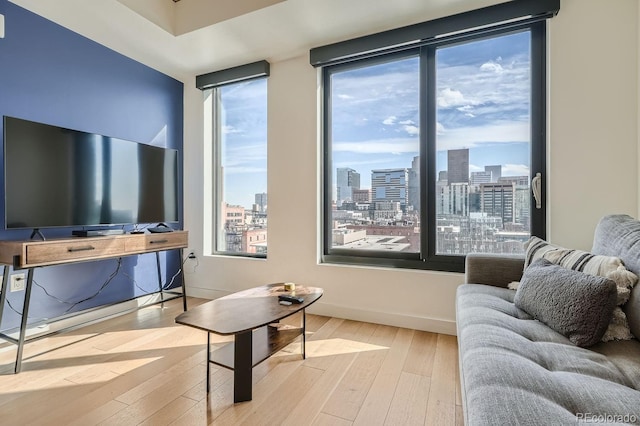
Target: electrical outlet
[{"x": 17, "y": 282}]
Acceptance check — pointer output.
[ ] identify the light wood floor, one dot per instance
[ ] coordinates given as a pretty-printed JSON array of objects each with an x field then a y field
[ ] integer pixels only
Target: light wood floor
[{"x": 142, "y": 368}]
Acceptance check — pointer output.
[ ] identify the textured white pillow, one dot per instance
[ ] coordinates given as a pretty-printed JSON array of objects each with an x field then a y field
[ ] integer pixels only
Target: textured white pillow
[{"x": 604, "y": 266}]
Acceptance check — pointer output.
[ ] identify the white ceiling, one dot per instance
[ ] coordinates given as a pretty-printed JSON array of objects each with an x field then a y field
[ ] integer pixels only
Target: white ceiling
[{"x": 192, "y": 37}]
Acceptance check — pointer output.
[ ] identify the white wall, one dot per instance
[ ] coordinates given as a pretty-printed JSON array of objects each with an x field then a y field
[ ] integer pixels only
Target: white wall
[
  {"x": 593, "y": 141},
  {"x": 593, "y": 112}
]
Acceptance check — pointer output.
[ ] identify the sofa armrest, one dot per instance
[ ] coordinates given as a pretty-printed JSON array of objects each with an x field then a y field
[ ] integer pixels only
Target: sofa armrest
[{"x": 493, "y": 269}]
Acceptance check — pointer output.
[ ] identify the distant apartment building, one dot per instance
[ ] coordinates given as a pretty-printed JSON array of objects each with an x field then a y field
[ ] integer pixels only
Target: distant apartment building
[
  {"x": 390, "y": 185},
  {"x": 414, "y": 184},
  {"x": 522, "y": 203},
  {"x": 361, "y": 195},
  {"x": 458, "y": 165},
  {"x": 346, "y": 181},
  {"x": 387, "y": 210},
  {"x": 452, "y": 199},
  {"x": 497, "y": 200},
  {"x": 480, "y": 177},
  {"x": 233, "y": 216},
  {"x": 516, "y": 180}
]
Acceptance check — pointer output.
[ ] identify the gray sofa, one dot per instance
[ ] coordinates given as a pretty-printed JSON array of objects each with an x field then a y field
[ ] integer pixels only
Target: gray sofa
[{"x": 516, "y": 370}]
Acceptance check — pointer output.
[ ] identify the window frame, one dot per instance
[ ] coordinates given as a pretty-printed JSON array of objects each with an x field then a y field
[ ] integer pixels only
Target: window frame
[
  {"x": 217, "y": 174},
  {"x": 427, "y": 257}
]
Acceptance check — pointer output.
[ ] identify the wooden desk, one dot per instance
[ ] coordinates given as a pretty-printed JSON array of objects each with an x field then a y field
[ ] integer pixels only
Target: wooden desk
[
  {"x": 251, "y": 316},
  {"x": 32, "y": 254}
]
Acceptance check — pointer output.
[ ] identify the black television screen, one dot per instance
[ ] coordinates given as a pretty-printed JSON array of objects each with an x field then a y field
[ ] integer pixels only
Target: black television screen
[{"x": 59, "y": 177}]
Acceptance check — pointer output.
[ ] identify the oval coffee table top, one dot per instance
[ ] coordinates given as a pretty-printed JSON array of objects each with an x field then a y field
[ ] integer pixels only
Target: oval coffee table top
[{"x": 247, "y": 309}]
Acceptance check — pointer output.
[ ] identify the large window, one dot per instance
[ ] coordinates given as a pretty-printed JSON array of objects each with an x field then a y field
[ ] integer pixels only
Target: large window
[
  {"x": 431, "y": 151},
  {"x": 236, "y": 129}
]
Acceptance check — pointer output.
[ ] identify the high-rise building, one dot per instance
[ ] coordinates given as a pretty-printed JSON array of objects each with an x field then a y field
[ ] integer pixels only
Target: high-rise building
[
  {"x": 496, "y": 172},
  {"x": 497, "y": 200},
  {"x": 458, "y": 165},
  {"x": 480, "y": 177},
  {"x": 390, "y": 185},
  {"x": 361, "y": 195},
  {"x": 261, "y": 202},
  {"x": 414, "y": 184},
  {"x": 522, "y": 203},
  {"x": 346, "y": 181},
  {"x": 452, "y": 199},
  {"x": 442, "y": 176}
]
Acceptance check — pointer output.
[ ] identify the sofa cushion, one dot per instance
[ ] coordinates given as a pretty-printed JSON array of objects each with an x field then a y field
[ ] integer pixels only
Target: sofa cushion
[
  {"x": 619, "y": 235},
  {"x": 606, "y": 265},
  {"x": 575, "y": 304},
  {"x": 611, "y": 267},
  {"x": 515, "y": 370}
]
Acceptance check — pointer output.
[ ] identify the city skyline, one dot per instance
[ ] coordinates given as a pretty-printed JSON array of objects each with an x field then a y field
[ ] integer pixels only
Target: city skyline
[{"x": 482, "y": 104}]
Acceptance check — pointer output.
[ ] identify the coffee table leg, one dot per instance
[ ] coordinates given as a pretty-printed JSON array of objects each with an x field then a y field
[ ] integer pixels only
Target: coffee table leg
[
  {"x": 242, "y": 367},
  {"x": 304, "y": 334},
  {"x": 208, "y": 358}
]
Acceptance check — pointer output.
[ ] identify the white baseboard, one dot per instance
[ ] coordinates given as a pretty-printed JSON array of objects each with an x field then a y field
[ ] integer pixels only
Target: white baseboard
[
  {"x": 83, "y": 319},
  {"x": 433, "y": 325}
]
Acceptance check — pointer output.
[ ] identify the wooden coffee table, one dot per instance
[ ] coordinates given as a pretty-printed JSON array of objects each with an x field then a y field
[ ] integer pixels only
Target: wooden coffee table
[{"x": 252, "y": 317}]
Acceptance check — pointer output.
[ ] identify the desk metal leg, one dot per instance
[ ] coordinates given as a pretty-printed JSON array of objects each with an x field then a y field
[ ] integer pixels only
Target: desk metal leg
[
  {"x": 243, "y": 349},
  {"x": 3, "y": 290},
  {"x": 23, "y": 323},
  {"x": 159, "y": 278},
  {"x": 184, "y": 285}
]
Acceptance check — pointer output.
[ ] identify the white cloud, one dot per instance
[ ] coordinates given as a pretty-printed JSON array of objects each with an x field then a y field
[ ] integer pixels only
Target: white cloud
[
  {"x": 451, "y": 98},
  {"x": 440, "y": 128},
  {"x": 407, "y": 122},
  {"x": 472, "y": 136},
  {"x": 389, "y": 120},
  {"x": 380, "y": 146},
  {"x": 412, "y": 130},
  {"x": 492, "y": 67},
  {"x": 474, "y": 168},
  {"x": 515, "y": 170},
  {"x": 345, "y": 97},
  {"x": 230, "y": 129}
]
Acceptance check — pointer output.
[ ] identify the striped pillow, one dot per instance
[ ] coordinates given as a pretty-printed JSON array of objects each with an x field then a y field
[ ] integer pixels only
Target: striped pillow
[
  {"x": 604, "y": 266},
  {"x": 578, "y": 260}
]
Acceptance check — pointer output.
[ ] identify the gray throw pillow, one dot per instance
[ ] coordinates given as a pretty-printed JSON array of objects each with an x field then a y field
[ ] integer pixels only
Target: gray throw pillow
[{"x": 577, "y": 305}]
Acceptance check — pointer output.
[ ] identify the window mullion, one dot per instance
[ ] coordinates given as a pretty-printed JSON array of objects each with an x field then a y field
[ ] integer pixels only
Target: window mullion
[{"x": 538, "y": 123}]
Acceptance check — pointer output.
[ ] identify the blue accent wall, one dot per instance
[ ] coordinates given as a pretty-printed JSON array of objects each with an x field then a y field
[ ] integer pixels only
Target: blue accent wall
[{"x": 52, "y": 75}]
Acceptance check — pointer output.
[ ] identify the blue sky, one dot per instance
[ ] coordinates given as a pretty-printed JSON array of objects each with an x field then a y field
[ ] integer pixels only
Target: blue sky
[
  {"x": 244, "y": 141},
  {"x": 482, "y": 104},
  {"x": 483, "y": 91}
]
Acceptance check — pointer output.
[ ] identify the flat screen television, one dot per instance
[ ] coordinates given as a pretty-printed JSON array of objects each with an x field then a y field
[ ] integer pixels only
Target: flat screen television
[{"x": 57, "y": 177}]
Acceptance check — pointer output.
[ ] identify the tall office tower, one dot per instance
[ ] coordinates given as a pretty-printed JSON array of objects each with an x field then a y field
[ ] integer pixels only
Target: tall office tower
[
  {"x": 497, "y": 200},
  {"x": 261, "y": 202},
  {"x": 346, "y": 181},
  {"x": 414, "y": 184},
  {"x": 496, "y": 172},
  {"x": 390, "y": 185},
  {"x": 458, "y": 165}
]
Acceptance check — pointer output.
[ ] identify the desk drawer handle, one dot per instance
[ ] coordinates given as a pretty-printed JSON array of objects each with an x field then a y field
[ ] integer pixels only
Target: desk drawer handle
[
  {"x": 86, "y": 248},
  {"x": 158, "y": 241}
]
